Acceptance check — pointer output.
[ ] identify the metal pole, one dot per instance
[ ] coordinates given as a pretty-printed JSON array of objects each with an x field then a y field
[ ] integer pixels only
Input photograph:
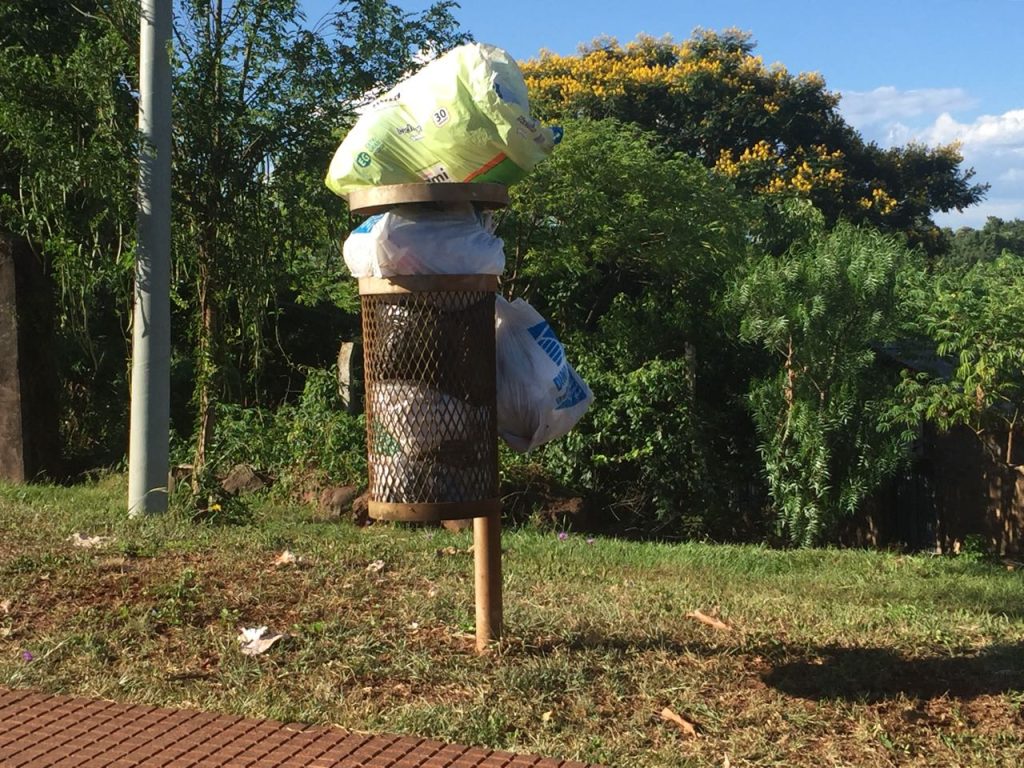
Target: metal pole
[
  {"x": 151, "y": 334},
  {"x": 487, "y": 573}
]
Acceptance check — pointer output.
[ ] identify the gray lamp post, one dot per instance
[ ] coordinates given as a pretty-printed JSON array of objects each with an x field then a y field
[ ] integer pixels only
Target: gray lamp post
[{"x": 151, "y": 338}]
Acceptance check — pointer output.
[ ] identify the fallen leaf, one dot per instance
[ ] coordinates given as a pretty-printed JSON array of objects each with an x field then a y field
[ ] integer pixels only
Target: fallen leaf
[
  {"x": 90, "y": 542},
  {"x": 253, "y": 641},
  {"x": 688, "y": 729},
  {"x": 375, "y": 567},
  {"x": 711, "y": 621},
  {"x": 447, "y": 551},
  {"x": 546, "y": 717},
  {"x": 286, "y": 558}
]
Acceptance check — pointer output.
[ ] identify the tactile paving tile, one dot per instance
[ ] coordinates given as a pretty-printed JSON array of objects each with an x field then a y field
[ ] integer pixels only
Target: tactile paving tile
[{"x": 39, "y": 731}]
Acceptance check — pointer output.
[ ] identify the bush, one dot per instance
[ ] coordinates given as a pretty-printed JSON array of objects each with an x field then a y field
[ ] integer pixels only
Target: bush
[
  {"x": 640, "y": 451},
  {"x": 313, "y": 441}
]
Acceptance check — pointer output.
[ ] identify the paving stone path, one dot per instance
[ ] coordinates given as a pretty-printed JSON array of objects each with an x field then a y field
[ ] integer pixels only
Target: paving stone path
[{"x": 38, "y": 730}]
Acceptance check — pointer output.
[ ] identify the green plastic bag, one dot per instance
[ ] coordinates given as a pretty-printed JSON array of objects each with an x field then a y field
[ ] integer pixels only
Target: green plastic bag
[{"x": 463, "y": 117}]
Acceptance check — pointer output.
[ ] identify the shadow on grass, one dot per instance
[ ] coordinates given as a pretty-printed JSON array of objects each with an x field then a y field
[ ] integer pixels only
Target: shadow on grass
[
  {"x": 877, "y": 674},
  {"x": 832, "y": 672}
]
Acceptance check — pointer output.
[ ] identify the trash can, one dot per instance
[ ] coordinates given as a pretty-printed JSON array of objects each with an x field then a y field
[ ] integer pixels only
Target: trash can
[{"x": 429, "y": 378}]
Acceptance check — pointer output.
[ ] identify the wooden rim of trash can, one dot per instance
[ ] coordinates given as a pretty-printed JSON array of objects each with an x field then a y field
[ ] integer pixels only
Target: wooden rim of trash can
[
  {"x": 370, "y": 200},
  {"x": 433, "y": 511},
  {"x": 372, "y": 286}
]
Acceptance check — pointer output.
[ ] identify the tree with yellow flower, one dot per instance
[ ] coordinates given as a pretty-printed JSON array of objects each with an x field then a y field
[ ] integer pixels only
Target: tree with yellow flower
[{"x": 773, "y": 133}]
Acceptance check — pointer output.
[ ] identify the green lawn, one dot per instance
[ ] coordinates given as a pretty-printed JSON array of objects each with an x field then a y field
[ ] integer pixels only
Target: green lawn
[{"x": 835, "y": 658}]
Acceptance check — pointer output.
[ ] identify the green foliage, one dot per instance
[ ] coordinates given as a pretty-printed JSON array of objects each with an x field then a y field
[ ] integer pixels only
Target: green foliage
[
  {"x": 627, "y": 268},
  {"x": 819, "y": 310},
  {"x": 312, "y": 440},
  {"x": 993, "y": 239},
  {"x": 67, "y": 182},
  {"x": 260, "y": 98},
  {"x": 975, "y": 318},
  {"x": 643, "y": 449},
  {"x": 648, "y": 239}
]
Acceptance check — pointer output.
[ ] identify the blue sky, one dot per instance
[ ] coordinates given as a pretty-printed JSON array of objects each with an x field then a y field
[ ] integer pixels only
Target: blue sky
[{"x": 908, "y": 70}]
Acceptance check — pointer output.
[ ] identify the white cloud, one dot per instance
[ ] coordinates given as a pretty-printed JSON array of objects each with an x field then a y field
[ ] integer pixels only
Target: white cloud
[
  {"x": 992, "y": 145},
  {"x": 1005, "y": 131},
  {"x": 1012, "y": 176},
  {"x": 887, "y": 104}
]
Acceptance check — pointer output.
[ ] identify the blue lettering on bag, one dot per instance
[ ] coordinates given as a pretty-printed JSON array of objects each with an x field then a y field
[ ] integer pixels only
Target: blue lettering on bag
[
  {"x": 561, "y": 378},
  {"x": 574, "y": 394},
  {"x": 547, "y": 341},
  {"x": 367, "y": 225}
]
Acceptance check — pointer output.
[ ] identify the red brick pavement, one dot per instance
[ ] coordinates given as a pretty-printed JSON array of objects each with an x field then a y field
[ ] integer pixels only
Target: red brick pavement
[{"x": 37, "y": 731}]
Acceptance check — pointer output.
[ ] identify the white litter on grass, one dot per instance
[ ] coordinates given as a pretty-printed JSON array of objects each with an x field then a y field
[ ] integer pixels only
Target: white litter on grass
[
  {"x": 90, "y": 542},
  {"x": 253, "y": 641},
  {"x": 375, "y": 567},
  {"x": 5, "y": 606},
  {"x": 286, "y": 558}
]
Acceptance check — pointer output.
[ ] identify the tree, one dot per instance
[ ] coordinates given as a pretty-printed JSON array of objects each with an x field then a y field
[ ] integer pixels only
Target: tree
[
  {"x": 975, "y": 317},
  {"x": 820, "y": 310},
  {"x": 995, "y": 238},
  {"x": 261, "y": 100},
  {"x": 67, "y": 181},
  {"x": 628, "y": 267},
  {"x": 771, "y": 132}
]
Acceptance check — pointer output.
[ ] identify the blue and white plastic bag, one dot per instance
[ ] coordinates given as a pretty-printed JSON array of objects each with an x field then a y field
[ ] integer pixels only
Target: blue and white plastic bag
[{"x": 540, "y": 396}]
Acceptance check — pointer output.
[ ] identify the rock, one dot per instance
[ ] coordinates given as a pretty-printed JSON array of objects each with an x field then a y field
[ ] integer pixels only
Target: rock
[
  {"x": 244, "y": 479},
  {"x": 457, "y": 526},
  {"x": 361, "y": 510},
  {"x": 335, "y": 501},
  {"x": 566, "y": 513},
  {"x": 342, "y": 501}
]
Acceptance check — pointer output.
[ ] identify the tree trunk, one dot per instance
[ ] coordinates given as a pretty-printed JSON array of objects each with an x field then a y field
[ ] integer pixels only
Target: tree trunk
[{"x": 207, "y": 375}]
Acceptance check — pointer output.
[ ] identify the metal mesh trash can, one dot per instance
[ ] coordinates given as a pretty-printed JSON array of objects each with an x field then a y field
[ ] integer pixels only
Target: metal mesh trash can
[
  {"x": 430, "y": 396},
  {"x": 429, "y": 378}
]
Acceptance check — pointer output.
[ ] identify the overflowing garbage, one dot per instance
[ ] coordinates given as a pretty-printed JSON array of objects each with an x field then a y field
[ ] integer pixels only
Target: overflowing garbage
[
  {"x": 463, "y": 117},
  {"x": 540, "y": 396},
  {"x": 414, "y": 240}
]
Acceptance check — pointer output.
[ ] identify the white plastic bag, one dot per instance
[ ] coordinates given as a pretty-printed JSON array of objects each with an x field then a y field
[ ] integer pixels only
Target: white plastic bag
[
  {"x": 464, "y": 117},
  {"x": 540, "y": 396},
  {"x": 414, "y": 419},
  {"x": 414, "y": 240}
]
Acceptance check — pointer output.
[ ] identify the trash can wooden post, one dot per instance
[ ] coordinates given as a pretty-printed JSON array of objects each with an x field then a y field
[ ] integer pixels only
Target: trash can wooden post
[{"x": 429, "y": 393}]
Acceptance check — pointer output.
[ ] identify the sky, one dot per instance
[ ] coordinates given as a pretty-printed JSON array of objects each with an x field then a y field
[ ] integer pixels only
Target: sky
[{"x": 931, "y": 71}]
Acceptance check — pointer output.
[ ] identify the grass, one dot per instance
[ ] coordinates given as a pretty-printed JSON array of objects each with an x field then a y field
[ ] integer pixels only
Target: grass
[{"x": 836, "y": 658}]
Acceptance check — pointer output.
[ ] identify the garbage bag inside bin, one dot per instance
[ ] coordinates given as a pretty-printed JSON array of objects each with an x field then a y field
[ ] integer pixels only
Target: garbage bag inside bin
[
  {"x": 417, "y": 240},
  {"x": 416, "y": 420}
]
